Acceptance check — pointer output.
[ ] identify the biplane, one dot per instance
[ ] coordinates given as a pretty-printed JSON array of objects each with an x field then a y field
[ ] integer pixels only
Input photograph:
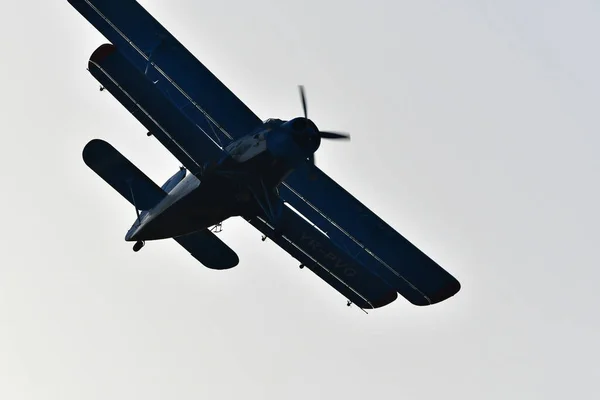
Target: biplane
[{"x": 236, "y": 165}]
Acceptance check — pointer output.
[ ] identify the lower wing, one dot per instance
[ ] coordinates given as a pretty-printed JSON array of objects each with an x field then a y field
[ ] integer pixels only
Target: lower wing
[
  {"x": 377, "y": 245},
  {"x": 187, "y": 141},
  {"x": 332, "y": 264}
]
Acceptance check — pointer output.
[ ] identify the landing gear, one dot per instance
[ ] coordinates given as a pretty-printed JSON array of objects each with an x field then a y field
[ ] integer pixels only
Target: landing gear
[
  {"x": 349, "y": 303},
  {"x": 138, "y": 245},
  {"x": 101, "y": 88},
  {"x": 302, "y": 266},
  {"x": 263, "y": 238},
  {"x": 148, "y": 133}
]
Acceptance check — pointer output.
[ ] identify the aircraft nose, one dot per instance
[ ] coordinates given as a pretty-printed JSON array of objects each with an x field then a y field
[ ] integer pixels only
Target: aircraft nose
[
  {"x": 304, "y": 133},
  {"x": 299, "y": 124}
]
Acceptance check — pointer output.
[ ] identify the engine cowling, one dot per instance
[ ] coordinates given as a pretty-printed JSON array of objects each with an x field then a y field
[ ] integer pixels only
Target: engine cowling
[{"x": 294, "y": 141}]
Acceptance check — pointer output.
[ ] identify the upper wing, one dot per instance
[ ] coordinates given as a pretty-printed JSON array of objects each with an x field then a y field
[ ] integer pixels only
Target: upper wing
[
  {"x": 177, "y": 73},
  {"x": 332, "y": 264},
  {"x": 376, "y": 244}
]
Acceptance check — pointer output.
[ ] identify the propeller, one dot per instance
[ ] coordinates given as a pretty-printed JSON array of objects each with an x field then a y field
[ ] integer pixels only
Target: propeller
[
  {"x": 333, "y": 135},
  {"x": 303, "y": 98},
  {"x": 322, "y": 134}
]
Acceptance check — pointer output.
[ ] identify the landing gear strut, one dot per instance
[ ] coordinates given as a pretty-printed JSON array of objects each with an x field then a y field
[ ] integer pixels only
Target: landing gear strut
[{"x": 138, "y": 245}]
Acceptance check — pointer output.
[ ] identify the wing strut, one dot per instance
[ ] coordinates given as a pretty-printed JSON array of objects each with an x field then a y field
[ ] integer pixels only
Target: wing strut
[{"x": 137, "y": 211}]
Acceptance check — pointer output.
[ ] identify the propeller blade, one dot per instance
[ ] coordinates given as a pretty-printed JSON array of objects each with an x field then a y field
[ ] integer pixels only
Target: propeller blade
[
  {"x": 334, "y": 135},
  {"x": 303, "y": 98}
]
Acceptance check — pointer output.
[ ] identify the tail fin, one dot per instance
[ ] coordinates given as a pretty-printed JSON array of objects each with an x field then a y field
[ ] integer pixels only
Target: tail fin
[{"x": 122, "y": 175}]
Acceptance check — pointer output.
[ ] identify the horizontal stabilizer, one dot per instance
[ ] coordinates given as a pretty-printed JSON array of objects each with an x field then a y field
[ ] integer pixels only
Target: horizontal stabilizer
[
  {"x": 122, "y": 175},
  {"x": 207, "y": 248}
]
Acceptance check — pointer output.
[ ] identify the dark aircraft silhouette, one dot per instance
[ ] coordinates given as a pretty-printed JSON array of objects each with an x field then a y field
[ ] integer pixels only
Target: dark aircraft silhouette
[{"x": 241, "y": 166}]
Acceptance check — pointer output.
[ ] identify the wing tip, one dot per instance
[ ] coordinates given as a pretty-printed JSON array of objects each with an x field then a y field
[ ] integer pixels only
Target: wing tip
[
  {"x": 102, "y": 52},
  {"x": 444, "y": 293},
  {"x": 390, "y": 297}
]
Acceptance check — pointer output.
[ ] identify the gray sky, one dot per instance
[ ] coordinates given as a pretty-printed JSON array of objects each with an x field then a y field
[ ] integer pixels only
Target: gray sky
[{"x": 475, "y": 134}]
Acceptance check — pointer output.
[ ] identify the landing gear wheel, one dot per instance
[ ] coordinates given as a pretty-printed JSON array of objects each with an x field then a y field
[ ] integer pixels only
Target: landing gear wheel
[{"x": 138, "y": 245}]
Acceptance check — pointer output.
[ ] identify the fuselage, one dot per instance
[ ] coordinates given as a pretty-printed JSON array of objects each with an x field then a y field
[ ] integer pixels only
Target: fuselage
[{"x": 237, "y": 184}]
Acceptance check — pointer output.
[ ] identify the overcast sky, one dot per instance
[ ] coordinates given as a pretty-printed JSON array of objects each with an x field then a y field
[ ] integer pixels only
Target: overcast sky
[{"x": 475, "y": 133}]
